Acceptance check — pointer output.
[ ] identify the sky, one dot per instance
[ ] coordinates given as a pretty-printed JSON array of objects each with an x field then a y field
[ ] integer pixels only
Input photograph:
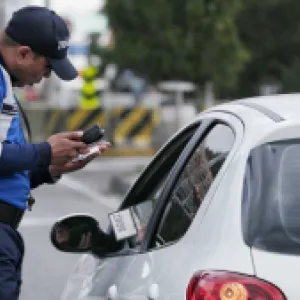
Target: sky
[
  {"x": 68, "y": 6},
  {"x": 81, "y": 13}
]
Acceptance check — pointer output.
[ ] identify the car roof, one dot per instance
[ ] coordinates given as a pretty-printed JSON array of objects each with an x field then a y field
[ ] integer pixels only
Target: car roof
[{"x": 278, "y": 107}]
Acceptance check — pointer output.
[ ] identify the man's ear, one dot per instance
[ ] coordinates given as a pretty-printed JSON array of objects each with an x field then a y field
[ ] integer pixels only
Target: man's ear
[{"x": 23, "y": 53}]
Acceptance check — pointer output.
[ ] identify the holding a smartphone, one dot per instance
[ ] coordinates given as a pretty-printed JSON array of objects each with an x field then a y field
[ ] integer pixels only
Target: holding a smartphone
[{"x": 91, "y": 136}]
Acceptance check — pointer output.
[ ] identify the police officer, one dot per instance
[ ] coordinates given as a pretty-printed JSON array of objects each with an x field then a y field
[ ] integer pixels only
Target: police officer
[{"x": 33, "y": 44}]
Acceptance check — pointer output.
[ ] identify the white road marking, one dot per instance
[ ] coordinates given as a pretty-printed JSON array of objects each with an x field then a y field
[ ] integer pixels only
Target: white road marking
[
  {"x": 112, "y": 202},
  {"x": 35, "y": 221}
]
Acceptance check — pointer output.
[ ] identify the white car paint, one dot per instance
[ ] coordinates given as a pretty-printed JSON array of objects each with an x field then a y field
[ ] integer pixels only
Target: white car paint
[{"x": 214, "y": 240}]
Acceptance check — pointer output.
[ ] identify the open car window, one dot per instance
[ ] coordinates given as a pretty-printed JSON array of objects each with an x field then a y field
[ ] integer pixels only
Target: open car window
[
  {"x": 142, "y": 199},
  {"x": 196, "y": 178}
]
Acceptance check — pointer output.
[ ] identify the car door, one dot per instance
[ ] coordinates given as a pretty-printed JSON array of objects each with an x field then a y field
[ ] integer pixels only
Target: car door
[{"x": 176, "y": 188}]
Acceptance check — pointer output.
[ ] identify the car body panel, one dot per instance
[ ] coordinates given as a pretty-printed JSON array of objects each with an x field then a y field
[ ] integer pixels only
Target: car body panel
[
  {"x": 285, "y": 105},
  {"x": 215, "y": 239},
  {"x": 134, "y": 276},
  {"x": 279, "y": 269}
]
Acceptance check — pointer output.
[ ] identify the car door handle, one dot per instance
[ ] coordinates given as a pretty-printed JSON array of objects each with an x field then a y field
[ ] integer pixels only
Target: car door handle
[
  {"x": 112, "y": 292},
  {"x": 153, "y": 292}
]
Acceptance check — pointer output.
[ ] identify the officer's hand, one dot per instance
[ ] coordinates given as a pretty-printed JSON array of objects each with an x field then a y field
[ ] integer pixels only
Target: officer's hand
[
  {"x": 66, "y": 146},
  {"x": 71, "y": 166}
]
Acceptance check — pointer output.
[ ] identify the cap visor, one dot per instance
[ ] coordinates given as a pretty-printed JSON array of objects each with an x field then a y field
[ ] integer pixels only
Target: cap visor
[{"x": 63, "y": 68}]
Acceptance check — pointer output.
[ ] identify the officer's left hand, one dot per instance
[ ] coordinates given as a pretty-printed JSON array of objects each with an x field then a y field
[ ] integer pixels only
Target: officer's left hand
[{"x": 71, "y": 166}]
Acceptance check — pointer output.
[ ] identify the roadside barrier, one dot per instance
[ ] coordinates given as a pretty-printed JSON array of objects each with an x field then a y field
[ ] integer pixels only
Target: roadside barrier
[
  {"x": 134, "y": 125},
  {"x": 78, "y": 119},
  {"x": 54, "y": 121},
  {"x": 132, "y": 128}
]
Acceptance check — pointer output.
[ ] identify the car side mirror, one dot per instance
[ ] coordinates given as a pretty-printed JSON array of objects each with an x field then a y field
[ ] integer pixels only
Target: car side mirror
[{"x": 79, "y": 233}]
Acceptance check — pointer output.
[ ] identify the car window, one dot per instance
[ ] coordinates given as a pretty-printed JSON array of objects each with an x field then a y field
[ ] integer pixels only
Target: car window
[
  {"x": 142, "y": 198},
  {"x": 271, "y": 206},
  {"x": 142, "y": 212},
  {"x": 193, "y": 184}
]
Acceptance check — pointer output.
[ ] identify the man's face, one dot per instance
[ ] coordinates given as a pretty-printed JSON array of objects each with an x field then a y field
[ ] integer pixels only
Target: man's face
[{"x": 30, "y": 68}]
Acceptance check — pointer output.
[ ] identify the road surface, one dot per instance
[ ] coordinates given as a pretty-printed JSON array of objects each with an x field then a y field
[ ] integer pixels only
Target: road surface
[{"x": 45, "y": 268}]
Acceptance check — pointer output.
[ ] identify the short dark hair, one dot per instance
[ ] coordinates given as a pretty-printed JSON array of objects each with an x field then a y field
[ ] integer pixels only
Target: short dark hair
[{"x": 8, "y": 41}]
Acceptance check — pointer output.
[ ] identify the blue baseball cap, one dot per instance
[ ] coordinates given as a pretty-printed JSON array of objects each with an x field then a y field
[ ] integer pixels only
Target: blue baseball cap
[{"x": 45, "y": 33}]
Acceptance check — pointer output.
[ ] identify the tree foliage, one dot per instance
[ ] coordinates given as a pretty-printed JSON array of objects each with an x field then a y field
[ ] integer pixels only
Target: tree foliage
[
  {"x": 270, "y": 30},
  {"x": 249, "y": 42},
  {"x": 194, "y": 40}
]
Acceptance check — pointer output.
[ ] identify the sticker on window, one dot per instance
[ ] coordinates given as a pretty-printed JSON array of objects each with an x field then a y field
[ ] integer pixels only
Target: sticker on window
[{"x": 123, "y": 224}]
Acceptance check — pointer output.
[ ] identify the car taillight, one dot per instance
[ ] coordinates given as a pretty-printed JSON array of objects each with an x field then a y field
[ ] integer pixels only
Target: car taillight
[{"x": 222, "y": 285}]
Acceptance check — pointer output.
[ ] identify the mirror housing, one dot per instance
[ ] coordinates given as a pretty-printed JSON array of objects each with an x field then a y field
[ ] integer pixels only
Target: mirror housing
[{"x": 80, "y": 233}]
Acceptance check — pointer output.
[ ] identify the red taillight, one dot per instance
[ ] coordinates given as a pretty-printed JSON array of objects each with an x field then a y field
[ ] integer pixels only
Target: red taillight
[{"x": 222, "y": 285}]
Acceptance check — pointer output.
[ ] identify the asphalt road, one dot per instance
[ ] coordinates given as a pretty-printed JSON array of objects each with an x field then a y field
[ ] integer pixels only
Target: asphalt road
[{"x": 46, "y": 269}]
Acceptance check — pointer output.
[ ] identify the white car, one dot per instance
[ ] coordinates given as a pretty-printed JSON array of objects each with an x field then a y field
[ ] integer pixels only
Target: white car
[{"x": 214, "y": 216}]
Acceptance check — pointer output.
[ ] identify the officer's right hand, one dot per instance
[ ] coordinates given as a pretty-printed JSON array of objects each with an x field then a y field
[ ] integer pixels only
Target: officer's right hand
[{"x": 66, "y": 146}]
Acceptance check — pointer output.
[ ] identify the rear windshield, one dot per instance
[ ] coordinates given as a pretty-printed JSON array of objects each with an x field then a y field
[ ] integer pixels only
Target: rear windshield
[{"x": 271, "y": 198}]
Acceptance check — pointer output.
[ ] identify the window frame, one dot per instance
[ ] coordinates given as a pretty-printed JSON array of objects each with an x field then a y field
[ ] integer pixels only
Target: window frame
[
  {"x": 201, "y": 128},
  {"x": 146, "y": 176},
  {"x": 155, "y": 221},
  {"x": 159, "y": 159}
]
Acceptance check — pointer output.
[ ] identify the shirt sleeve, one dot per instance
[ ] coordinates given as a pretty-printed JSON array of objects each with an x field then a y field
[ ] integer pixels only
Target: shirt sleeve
[
  {"x": 40, "y": 176},
  {"x": 16, "y": 158}
]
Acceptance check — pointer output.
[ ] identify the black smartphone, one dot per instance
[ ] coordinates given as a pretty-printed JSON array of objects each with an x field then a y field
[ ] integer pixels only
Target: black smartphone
[{"x": 93, "y": 134}]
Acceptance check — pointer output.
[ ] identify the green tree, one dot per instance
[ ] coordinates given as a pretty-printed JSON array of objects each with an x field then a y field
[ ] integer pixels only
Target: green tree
[
  {"x": 270, "y": 29},
  {"x": 194, "y": 40}
]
